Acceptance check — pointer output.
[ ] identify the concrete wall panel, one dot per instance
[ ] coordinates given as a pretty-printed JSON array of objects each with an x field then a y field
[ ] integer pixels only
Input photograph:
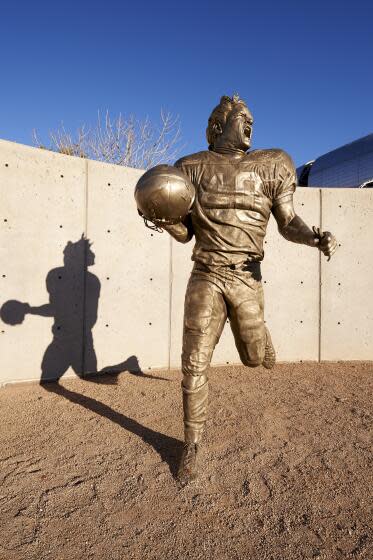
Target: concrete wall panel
[
  {"x": 181, "y": 268},
  {"x": 347, "y": 280},
  {"x": 42, "y": 209},
  {"x": 291, "y": 286},
  {"x": 132, "y": 265}
]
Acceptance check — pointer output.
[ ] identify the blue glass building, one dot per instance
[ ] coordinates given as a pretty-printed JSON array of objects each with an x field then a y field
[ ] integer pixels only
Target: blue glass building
[{"x": 348, "y": 166}]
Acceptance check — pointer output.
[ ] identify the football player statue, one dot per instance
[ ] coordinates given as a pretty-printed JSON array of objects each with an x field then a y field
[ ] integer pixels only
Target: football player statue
[{"x": 235, "y": 193}]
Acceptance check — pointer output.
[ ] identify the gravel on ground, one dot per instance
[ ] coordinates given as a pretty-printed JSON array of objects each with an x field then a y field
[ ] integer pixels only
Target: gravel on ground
[{"x": 87, "y": 467}]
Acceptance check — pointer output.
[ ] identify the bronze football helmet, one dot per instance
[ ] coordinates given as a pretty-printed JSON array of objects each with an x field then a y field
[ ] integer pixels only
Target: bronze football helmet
[{"x": 164, "y": 195}]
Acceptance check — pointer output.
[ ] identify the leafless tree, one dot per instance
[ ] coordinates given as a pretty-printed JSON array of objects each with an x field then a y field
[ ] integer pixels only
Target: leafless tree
[{"x": 123, "y": 141}]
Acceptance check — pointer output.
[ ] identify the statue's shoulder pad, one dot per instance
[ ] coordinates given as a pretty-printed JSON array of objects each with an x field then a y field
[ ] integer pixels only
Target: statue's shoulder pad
[
  {"x": 276, "y": 155},
  {"x": 193, "y": 159}
]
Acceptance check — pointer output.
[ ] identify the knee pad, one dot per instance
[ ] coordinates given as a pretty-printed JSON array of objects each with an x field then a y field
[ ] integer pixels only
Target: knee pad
[
  {"x": 252, "y": 363},
  {"x": 195, "y": 364}
]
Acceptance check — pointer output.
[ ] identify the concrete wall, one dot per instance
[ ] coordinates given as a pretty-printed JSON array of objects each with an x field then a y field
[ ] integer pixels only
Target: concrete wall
[
  {"x": 118, "y": 304},
  {"x": 347, "y": 281}
]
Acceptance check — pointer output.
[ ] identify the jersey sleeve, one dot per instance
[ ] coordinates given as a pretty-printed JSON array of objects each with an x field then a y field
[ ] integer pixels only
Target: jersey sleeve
[
  {"x": 191, "y": 167},
  {"x": 285, "y": 180}
]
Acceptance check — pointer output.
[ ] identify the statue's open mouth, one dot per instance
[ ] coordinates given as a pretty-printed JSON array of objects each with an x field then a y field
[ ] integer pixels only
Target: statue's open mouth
[{"x": 247, "y": 131}]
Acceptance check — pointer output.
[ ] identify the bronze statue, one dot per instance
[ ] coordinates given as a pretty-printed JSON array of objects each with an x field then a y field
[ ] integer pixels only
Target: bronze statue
[{"x": 235, "y": 193}]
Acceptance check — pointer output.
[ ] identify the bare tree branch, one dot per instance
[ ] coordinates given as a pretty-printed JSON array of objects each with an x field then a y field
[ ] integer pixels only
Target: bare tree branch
[{"x": 122, "y": 141}]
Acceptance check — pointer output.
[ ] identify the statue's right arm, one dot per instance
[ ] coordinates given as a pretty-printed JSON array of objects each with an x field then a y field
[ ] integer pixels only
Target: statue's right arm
[
  {"x": 293, "y": 228},
  {"x": 183, "y": 231}
]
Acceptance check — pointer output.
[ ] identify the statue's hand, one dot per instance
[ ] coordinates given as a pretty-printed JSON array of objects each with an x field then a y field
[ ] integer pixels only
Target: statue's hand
[{"x": 325, "y": 241}]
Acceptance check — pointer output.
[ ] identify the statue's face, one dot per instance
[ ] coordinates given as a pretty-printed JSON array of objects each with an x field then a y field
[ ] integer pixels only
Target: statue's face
[{"x": 237, "y": 130}]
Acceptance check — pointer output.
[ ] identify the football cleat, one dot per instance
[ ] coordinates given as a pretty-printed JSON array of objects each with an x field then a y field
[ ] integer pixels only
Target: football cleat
[{"x": 188, "y": 468}]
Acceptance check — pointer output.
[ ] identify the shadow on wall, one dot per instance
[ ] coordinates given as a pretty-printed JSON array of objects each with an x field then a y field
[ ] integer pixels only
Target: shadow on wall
[{"x": 74, "y": 293}]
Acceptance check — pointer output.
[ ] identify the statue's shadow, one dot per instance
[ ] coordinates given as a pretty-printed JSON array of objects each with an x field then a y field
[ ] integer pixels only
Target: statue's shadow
[
  {"x": 167, "y": 447},
  {"x": 74, "y": 293}
]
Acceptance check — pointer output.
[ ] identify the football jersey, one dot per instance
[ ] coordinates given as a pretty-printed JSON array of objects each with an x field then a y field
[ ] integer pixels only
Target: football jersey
[{"x": 234, "y": 198}]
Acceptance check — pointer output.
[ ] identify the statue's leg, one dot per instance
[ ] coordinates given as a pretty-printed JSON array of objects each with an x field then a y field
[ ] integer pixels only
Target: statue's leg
[
  {"x": 205, "y": 314},
  {"x": 195, "y": 399},
  {"x": 246, "y": 311},
  {"x": 204, "y": 318}
]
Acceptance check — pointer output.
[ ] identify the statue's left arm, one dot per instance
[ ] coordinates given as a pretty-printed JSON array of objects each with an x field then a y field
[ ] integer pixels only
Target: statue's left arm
[
  {"x": 294, "y": 229},
  {"x": 291, "y": 226}
]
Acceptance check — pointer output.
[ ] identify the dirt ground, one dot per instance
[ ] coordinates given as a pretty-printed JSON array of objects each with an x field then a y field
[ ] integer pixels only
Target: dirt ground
[{"x": 86, "y": 467}]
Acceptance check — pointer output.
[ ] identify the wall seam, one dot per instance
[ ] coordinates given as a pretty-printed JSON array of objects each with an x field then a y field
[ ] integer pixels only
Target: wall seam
[
  {"x": 85, "y": 266},
  {"x": 320, "y": 278},
  {"x": 170, "y": 306}
]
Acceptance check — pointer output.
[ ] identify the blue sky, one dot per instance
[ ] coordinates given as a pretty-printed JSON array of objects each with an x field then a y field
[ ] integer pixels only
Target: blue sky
[{"x": 304, "y": 68}]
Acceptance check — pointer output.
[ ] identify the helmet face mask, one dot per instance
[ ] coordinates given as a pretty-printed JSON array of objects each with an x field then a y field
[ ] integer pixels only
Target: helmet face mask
[{"x": 157, "y": 224}]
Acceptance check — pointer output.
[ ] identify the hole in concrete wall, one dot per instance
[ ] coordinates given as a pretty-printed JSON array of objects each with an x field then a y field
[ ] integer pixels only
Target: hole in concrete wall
[
  {"x": 340, "y": 206},
  {"x": 339, "y": 322},
  {"x": 7, "y": 165},
  {"x": 106, "y": 325},
  {"x": 301, "y": 281},
  {"x": 265, "y": 281},
  {"x": 339, "y": 283},
  {"x": 59, "y": 278},
  {"x": 149, "y": 368},
  {"x": 61, "y": 176},
  {"x": 107, "y": 277},
  {"x": 58, "y": 328},
  {"x": 61, "y": 226},
  {"x": 109, "y": 184},
  {"x": 151, "y": 235},
  {"x": 302, "y": 204},
  {"x": 2, "y": 332},
  {"x": 5, "y": 219},
  {"x": 301, "y": 321},
  {"x": 4, "y": 275},
  {"x": 339, "y": 245},
  {"x": 108, "y": 230},
  {"x": 149, "y": 323},
  {"x": 227, "y": 362},
  {"x": 151, "y": 279},
  {"x": 265, "y": 241}
]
